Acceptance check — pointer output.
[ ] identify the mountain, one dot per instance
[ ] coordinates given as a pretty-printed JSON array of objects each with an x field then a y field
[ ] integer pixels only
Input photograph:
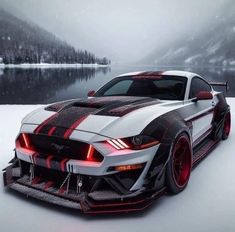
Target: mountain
[
  {"x": 215, "y": 46},
  {"x": 24, "y": 42}
]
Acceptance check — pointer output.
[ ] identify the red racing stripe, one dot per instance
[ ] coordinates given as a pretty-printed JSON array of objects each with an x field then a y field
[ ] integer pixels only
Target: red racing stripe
[
  {"x": 76, "y": 124},
  {"x": 37, "y": 130},
  {"x": 51, "y": 131}
]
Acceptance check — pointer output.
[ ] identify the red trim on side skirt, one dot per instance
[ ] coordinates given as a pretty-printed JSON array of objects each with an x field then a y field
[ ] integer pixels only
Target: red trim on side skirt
[
  {"x": 201, "y": 137},
  {"x": 204, "y": 151}
]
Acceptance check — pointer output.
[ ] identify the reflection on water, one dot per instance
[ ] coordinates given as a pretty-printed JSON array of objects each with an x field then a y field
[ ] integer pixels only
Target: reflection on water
[
  {"x": 40, "y": 86},
  {"x": 32, "y": 86}
]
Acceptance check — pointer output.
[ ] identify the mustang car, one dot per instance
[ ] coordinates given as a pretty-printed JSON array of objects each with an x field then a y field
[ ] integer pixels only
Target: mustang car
[{"x": 136, "y": 138}]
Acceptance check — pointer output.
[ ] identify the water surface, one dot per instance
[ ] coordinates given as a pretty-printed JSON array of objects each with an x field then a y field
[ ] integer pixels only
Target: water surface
[{"x": 41, "y": 86}]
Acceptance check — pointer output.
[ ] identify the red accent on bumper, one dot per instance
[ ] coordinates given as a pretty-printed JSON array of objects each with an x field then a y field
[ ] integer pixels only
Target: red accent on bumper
[
  {"x": 48, "y": 160},
  {"x": 63, "y": 164}
]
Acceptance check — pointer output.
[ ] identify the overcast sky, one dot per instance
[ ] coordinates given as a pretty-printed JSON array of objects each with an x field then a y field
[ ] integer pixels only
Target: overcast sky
[{"x": 124, "y": 30}]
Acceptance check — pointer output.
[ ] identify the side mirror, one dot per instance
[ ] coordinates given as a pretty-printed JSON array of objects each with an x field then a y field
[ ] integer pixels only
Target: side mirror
[
  {"x": 203, "y": 95},
  {"x": 91, "y": 93}
]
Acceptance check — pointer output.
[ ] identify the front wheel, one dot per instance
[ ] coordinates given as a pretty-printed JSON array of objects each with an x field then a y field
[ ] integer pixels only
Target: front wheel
[{"x": 180, "y": 163}]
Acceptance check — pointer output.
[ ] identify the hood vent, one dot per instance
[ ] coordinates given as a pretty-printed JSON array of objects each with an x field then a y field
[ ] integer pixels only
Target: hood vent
[{"x": 87, "y": 105}]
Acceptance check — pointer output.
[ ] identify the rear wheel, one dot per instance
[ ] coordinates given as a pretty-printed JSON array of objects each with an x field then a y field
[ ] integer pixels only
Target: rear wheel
[
  {"x": 226, "y": 125},
  {"x": 179, "y": 166}
]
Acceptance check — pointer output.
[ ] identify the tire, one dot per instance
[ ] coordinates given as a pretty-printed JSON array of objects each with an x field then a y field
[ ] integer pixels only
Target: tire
[
  {"x": 179, "y": 166},
  {"x": 226, "y": 125}
]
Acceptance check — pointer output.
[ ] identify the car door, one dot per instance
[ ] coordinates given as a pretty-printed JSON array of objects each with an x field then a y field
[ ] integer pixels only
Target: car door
[{"x": 203, "y": 110}]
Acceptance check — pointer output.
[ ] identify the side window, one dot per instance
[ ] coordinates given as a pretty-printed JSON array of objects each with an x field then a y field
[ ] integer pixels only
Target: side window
[
  {"x": 119, "y": 88},
  {"x": 198, "y": 85}
]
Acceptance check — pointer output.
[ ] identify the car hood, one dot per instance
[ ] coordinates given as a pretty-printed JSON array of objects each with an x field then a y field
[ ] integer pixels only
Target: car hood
[{"x": 113, "y": 117}]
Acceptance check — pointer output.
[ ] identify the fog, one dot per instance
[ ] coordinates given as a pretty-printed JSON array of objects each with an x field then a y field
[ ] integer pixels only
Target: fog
[{"x": 123, "y": 30}]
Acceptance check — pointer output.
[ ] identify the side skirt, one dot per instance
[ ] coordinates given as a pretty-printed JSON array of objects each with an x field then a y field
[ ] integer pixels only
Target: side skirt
[{"x": 203, "y": 149}]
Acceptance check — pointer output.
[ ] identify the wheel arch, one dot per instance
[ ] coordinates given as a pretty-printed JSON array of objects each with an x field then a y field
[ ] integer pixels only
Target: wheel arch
[
  {"x": 179, "y": 164},
  {"x": 166, "y": 128},
  {"x": 221, "y": 109}
]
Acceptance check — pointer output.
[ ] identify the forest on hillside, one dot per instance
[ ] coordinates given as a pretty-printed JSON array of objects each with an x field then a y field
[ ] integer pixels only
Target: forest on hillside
[{"x": 23, "y": 42}]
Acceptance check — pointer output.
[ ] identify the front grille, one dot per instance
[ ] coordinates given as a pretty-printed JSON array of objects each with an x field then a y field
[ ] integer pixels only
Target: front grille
[
  {"x": 116, "y": 183},
  {"x": 62, "y": 148}
]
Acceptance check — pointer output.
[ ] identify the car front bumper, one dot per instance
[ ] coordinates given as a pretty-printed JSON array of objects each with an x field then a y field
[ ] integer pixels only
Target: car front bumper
[{"x": 103, "y": 201}]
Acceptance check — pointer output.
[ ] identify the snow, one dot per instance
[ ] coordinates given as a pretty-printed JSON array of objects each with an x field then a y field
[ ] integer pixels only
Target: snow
[
  {"x": 192, "y": 58},
  {"x": 206, "y": 205},
  {"x": 174, "y": 53},
  {"x": 216, "y": 59},
  {"x": 214, "y": 47},
  {"x": 179, "y": 51},
  {"x": 232, "y": 62},
  {"x": 47, "y": 65}
]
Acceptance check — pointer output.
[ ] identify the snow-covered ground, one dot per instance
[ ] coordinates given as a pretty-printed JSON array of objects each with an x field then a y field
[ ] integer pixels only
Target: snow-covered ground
[
  {"x": 46, "y": 65},
  {"x": 206, "y": 205}
]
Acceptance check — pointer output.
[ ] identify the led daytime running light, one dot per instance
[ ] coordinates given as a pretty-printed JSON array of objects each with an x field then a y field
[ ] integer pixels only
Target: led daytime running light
[{"x": 118, "y": 144}]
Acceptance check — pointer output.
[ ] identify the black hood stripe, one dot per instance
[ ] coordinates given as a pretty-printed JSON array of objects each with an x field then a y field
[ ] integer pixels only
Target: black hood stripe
[
  {"x": 125, "y": 109},
  {"x": 69, "y": 117},
  {"x": 102, "y": 104},
  {"x": 40, "y": 127},
  {"x": 120, "y": 106},
  {"x": 75, "y": 124},
  {"x": 64, "y": 122}
]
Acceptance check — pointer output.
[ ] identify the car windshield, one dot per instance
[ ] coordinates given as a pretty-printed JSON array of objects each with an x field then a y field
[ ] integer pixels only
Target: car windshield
[{"x": 161, "y": 87}]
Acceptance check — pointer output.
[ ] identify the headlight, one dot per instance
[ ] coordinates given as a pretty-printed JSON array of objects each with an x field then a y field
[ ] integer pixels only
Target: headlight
[{"x": 137, "y": 142}]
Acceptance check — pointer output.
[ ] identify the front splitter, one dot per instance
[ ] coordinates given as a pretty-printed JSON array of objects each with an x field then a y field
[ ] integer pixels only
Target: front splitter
[{"x": 135, "y": 201}]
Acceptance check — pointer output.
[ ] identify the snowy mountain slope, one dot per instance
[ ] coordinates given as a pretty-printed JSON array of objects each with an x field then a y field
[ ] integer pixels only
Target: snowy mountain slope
[
  {"x": 24, "y": 42},
  {"x": 215, "y": 46}
]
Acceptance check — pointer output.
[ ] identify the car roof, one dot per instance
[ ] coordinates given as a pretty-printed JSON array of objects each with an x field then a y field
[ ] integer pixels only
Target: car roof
[{"x": 186, "y": 74}]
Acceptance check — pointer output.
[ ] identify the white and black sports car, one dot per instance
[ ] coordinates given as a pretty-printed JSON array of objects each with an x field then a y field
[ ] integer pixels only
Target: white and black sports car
[{"x": 136, "y": 138}]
